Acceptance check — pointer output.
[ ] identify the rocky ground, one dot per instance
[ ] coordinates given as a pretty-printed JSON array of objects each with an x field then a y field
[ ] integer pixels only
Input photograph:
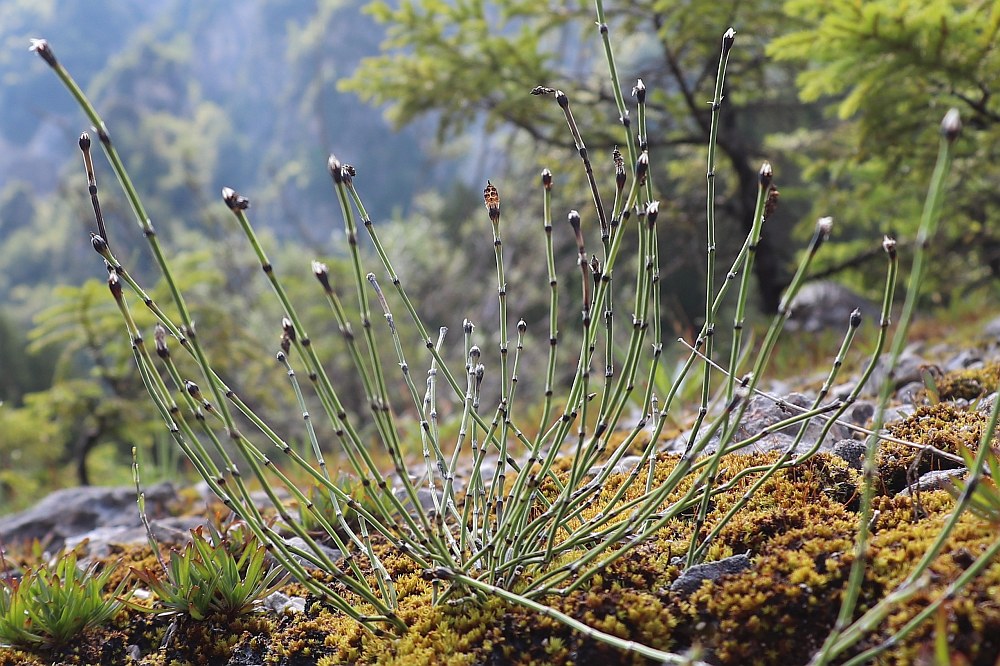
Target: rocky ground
[{"x": 739, "y": 608}]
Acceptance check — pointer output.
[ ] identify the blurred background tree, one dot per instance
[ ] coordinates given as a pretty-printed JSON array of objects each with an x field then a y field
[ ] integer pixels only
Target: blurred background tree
[{"x": 887, "y": 71}]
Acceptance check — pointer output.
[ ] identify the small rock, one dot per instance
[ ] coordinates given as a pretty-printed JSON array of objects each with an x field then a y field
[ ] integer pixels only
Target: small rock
[
  {"x": 992, "y": 329},
  {"x": 860, "y": 413},
  {"x": 279, "y": 603},
  {"x": 171, "y": 531},
  {"x": 247, "y": 654},
  {"x": 909, "y": 369},
  {"x": 910, "y": 394},
  {"x": 774, "y": 441},
  {"x": 986, "y": 404},
  {"x": 261, "y": 500},
  {"x": 297, "y": 542},
  {"x": 679, "y": 444},
  {"x": 424, "y": 496},
  {"x": 823, "y": 304},
  {"x": 624, "y": 466},
  {"x": 935, "y": 480},
  {"x": 763, "y": 413},
  {"x": 963, "y": 360},
  {"x": 841, "y": 391},
  {"x": 692, "y": 578}
]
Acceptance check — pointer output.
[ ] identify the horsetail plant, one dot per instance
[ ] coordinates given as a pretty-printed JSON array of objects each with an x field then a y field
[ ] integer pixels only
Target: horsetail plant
[{"x": 548, "y": 519}]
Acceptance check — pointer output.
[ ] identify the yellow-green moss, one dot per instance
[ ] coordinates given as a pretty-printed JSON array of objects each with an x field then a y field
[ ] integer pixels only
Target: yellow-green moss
[
  {"x": 11, "y": 657},
  {"x": 798, "y": 530},
  {"x": 969, "y": 384}
]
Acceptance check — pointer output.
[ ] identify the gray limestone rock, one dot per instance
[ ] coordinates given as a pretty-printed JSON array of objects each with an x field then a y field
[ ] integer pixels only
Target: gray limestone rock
[
  {"x": 823, "y": 305},
  {"x": 908, "y": 370},
  {"x": 763, "y": 413},
  {"x": 935, "y": 480},
  {"x": 299, "y": 543},
  {"x": 279, "y": 603},
  {"x": 170, "y": 531},
  {"x": 692, "y": 578},
  {"x": 992, "y": 329},
  {"x": 69, "y": 513}
]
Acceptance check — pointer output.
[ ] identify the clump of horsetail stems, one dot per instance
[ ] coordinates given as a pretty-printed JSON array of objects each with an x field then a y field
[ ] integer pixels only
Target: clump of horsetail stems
[{"x": 505, "y": 537}]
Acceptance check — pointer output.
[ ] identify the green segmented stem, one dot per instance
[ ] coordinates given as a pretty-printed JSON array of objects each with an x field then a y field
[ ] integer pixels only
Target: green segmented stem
[
  {"x": 887, "y": 300},
  {"x": 820, "y": 235},
  {"x": 304, "y": 345},
  {"x": 550, "y": 263},
  {"x": 833, "y": 646},
  {"x": 616, "y": 88},
  {"x": 709, "y": 328},
  {"x": 764, "y": 186}
]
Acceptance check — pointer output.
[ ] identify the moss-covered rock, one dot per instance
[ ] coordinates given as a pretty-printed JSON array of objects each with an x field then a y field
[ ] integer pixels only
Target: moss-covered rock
[
  {"x": 943, "y": 426},
  {"x": 969, "y": 383},
  {"x": 798, "y": 531}
]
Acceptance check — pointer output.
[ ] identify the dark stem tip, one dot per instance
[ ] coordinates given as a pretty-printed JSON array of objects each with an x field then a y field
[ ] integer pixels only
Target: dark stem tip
[
  {"x": 766, "y": 175},
  {"x": 620, "y": 175},
  {"x": 546, "y": 179},
  {"x": 115, "y": 285},
  {"x": 322, "y": 274},
  {"x": 728, "y": 38},
  {"x": 84, "y": 142},
  {"x": 652, "y": 210},
  {"x": 287, "y": 328},
  {"x": 234, "y": 200},
  {"x": 160, "y": 338},
  {"x": 642, "y": 166},
  {"x": 889, "y": 246},
  {"x": 574, "y": 221},
  {"x": 773, "y": 195},
  {"x": 100, "y": 245},
  {"x": 951, "y": 125},
  {"x": 42, "y": 48},
  {"x": 824, "y": 226},
  {"x": 639, "y": 91},
  {"x": 336, "y": 169},
  {"x": 856, "y": 318}
]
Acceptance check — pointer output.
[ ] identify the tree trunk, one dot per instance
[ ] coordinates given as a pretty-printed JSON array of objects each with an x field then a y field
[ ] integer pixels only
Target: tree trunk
[{"x": 767, "y": 267}]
